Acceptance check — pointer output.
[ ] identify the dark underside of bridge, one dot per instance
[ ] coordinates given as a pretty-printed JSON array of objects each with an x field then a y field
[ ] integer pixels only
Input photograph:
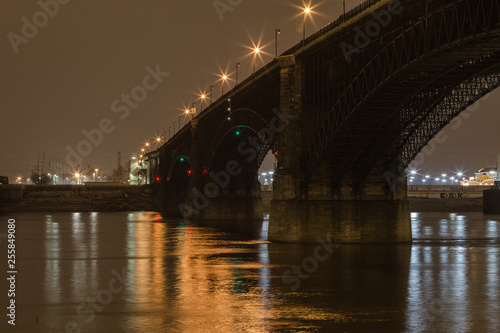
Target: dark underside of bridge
[{"x": 345, "y": 113}]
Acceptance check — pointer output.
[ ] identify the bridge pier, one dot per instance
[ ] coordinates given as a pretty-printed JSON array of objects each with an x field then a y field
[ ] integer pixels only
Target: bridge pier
[{"x": 369, "y": 215}]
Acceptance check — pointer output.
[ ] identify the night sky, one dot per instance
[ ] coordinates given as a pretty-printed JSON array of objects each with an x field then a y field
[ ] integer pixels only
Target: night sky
[{"x": 66, "y": 76}]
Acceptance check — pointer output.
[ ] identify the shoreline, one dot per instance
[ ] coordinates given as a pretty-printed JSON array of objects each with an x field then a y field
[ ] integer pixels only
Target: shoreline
[{"x": 119, "y": 198}]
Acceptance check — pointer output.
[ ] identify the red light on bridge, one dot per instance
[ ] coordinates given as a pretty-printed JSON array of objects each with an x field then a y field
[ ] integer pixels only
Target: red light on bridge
[
  {"x": 157, "y": 179},
  {"x": 205, "y": 171},
  {"x": 275, "y": 153},
  {"x": 168, "y": 179},
  {"x": 189, "y": 172}
]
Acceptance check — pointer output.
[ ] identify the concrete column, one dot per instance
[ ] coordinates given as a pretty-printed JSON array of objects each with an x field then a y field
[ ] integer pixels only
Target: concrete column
[
  {"x": 370, "y": 214},
  {"x": 287, "y": 178}
]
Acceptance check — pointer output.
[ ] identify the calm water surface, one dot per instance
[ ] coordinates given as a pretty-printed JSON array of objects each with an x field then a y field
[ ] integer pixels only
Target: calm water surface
[{"x": 139, "y": 272}]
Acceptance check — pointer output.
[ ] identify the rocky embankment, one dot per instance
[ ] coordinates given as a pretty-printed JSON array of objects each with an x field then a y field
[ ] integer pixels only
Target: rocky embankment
[{"x": 101, "y": 198}]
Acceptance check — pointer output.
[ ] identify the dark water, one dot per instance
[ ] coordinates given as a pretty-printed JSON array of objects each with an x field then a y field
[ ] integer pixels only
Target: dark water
[{"x": 138, "y": 272}]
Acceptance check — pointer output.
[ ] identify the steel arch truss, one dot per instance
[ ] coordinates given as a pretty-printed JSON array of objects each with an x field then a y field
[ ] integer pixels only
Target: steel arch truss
[
  {"x": 181, "y": 151},
  {"x": 464, "y": 25},
  {"x": 463, "y": 96}
]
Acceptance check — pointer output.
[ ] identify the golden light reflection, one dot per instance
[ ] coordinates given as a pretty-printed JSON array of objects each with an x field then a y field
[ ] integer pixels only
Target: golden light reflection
[{"x": 183, "y": 273}]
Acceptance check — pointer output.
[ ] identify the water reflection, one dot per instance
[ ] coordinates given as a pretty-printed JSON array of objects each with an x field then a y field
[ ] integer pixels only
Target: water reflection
[
  {"x": 452, "y": 276},
  {"x": 180, "y": 277}
]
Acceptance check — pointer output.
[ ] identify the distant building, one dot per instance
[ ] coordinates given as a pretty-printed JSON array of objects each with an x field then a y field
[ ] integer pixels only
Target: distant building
[
  {"x": 134, "y": 170},
  {"x": 483, "y": 177}
]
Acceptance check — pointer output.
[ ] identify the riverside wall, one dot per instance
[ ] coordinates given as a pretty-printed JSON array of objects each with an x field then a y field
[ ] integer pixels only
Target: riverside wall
[{"x": 98, "y": 197}]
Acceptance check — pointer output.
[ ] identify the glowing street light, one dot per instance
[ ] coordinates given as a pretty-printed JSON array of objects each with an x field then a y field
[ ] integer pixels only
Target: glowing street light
[{"x": 307, "y": 10}]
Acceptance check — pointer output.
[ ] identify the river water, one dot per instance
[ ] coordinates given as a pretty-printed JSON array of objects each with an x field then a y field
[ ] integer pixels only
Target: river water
[{"x": 139, "y": 272}]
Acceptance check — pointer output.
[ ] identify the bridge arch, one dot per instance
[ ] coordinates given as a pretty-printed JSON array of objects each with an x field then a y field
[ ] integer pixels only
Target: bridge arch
[
  {"x": 181, "y": 154},
  {"x": 246, "y": 125}
]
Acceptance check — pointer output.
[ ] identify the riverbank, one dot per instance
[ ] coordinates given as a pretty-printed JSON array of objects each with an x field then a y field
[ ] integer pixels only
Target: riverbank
[
  {"x": 71, "y": 198},
  {"x": 118, "y": 197}
]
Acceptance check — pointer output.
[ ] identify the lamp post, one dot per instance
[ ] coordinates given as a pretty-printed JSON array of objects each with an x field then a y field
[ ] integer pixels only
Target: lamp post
[
  {"x": 203, "y": 96},
  {"x": 256, "y": 52},
  {"x": 307, "y": 10},
  {"x": 224, "y": 78},
  {"x": 237, "y": 66},
  {"x": 344, "y": 9},
  {"x": 169, "y": 128},
  {"x": 276, "y": 33}
]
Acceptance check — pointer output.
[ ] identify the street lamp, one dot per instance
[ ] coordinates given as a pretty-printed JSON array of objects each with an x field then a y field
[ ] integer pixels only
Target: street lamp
[
  {"x": 307, "y": 10},
  {"x": 237, "y": 66},
  {"x": 202, "y": 97},
  {"x": 344, "y": 10},
  {"x": 224, "y": 78},
  {"x": 256, "y": 52},
  {"x": 276, "y": 33}
]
